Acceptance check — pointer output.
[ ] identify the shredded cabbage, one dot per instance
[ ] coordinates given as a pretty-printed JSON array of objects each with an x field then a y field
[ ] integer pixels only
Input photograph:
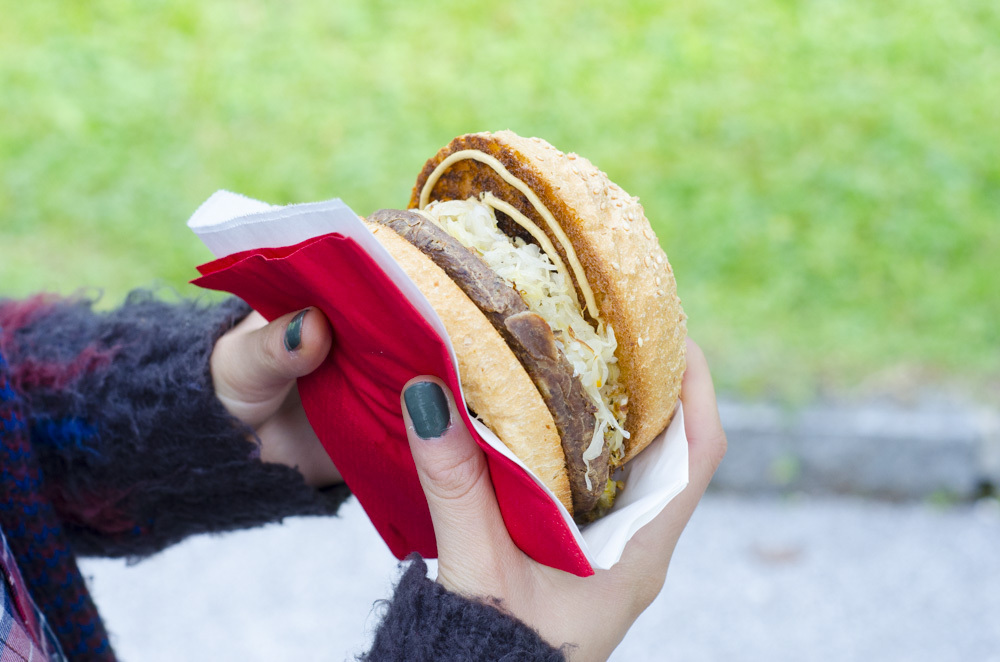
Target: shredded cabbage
[{"x": 529, "y": 270}]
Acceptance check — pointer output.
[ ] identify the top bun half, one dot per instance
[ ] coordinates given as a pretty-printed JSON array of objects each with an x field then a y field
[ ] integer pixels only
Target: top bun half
[{"x": 632, "y": 281}]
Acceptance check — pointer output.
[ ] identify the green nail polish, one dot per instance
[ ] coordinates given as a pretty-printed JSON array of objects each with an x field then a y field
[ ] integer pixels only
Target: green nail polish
[
  {"x": 428, "y": 409},
  {"x": 293, "y": 333}
]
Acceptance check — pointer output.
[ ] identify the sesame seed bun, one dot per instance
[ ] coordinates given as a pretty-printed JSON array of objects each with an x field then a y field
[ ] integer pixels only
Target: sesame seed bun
[{"x": 632, "y": 281}]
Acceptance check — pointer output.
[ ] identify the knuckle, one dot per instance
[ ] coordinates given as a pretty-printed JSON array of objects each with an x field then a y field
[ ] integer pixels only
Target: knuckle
[
  {"x": 719, "y": 446},
  {"x": 648, "y": 592},
  {"x": 649, "y": 587},
  {"x": 454, "y": 478},
  {"x": 269, "y": 349},
  {"x": 636, "y": 592}
]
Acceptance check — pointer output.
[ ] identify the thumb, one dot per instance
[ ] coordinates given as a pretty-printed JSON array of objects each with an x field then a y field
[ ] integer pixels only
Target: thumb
[
  {"x": 648, "y": 552},
  {"x": 256, "y": 363},
  {"x": 456, "y": 481}
]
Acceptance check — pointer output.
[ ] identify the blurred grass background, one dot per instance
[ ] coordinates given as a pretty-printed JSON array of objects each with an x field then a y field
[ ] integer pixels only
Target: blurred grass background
[{"x": 823, "y": 174}]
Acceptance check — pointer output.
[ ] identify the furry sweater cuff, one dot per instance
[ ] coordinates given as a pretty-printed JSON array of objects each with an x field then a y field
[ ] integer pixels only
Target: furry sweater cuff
[{"x": 425, "y": 622}]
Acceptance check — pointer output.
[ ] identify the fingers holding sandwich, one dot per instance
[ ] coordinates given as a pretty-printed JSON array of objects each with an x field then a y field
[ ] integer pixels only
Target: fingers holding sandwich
[
  {"x": 478, "y": 559},
  {"x": 455, "y": 477}
]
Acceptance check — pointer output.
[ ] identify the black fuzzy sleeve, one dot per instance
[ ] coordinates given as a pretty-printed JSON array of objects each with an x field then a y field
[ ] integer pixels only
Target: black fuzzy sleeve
[
  {"x": 135, "y": 450},
  {"x": 424, "y": 623}
]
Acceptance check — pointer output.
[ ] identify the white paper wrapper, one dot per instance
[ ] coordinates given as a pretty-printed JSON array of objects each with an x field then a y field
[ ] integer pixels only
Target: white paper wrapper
[{"x": 229, "y": 223}]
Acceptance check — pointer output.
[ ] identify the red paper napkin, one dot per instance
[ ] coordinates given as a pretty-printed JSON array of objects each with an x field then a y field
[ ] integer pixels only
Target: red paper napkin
[{"x": 353, "y": 400}]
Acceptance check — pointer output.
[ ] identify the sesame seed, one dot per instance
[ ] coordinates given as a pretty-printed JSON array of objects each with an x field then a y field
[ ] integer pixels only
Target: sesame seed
[
  {"x": 572, "y": 156},
  {"x": 659, "y": 293},
  {"x": 640, "y": 341},
  {"x": 647, "y": 233},
  {"x": 647, "y": 261},
  {"x": 616, "y": 266},
  {"x": 658, "y": 280},
  {"x": 659, "y": 259}
]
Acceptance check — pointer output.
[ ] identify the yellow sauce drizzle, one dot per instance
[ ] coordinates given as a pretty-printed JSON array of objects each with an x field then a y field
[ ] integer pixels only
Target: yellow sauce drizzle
[{"x": 521, "y": 219}]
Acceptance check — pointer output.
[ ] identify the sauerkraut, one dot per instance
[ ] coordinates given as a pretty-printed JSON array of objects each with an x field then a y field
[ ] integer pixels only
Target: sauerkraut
[{"x": 546, "y": 292}]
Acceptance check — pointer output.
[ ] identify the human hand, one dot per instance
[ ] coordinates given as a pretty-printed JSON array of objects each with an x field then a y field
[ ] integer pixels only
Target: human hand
[
  {"x": 254, "y": 368},
  {"x": 478, "y": 559}
]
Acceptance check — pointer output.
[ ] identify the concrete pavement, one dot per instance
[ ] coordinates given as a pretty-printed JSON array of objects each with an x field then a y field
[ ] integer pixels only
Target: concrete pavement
[
  {"x": 933, "y": 446},
  {"x": 754, "y": 578}
]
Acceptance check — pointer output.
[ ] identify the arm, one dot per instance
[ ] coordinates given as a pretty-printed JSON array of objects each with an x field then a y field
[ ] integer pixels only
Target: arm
[
  {"x": 479, "y": 565},
  {"x": 134, "y": 448},
  {"x": 112, "y": 440}
]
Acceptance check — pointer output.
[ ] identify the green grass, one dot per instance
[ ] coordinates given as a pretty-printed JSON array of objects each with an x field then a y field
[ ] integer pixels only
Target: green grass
[{"x": 824, "y": 175}]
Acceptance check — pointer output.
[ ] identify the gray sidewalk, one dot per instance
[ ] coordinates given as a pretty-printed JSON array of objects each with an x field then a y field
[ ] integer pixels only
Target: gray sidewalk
[
  {"x": 793, "y": 578},
  {"x": 783, "y": 560},
  {"x": 934, "y": 448}
]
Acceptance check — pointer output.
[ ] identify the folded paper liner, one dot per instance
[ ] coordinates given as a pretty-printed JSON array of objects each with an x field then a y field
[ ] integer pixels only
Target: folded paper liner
[{"x": 281, "y": 259}]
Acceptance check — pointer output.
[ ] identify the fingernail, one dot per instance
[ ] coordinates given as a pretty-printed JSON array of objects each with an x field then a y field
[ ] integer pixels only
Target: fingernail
[
  {"x": 293, "y": 333},
  {"x": 428, "y": 409}
]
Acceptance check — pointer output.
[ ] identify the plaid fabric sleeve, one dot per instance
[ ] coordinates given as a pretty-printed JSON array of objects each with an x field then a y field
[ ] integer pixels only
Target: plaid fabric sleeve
[
  {"x": 16, "y": 643},
  {"x": 24, "y": 632}
]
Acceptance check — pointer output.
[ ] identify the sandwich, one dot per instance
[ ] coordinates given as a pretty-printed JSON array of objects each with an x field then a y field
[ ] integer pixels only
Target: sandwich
[{"x": 559, "y": 301}]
